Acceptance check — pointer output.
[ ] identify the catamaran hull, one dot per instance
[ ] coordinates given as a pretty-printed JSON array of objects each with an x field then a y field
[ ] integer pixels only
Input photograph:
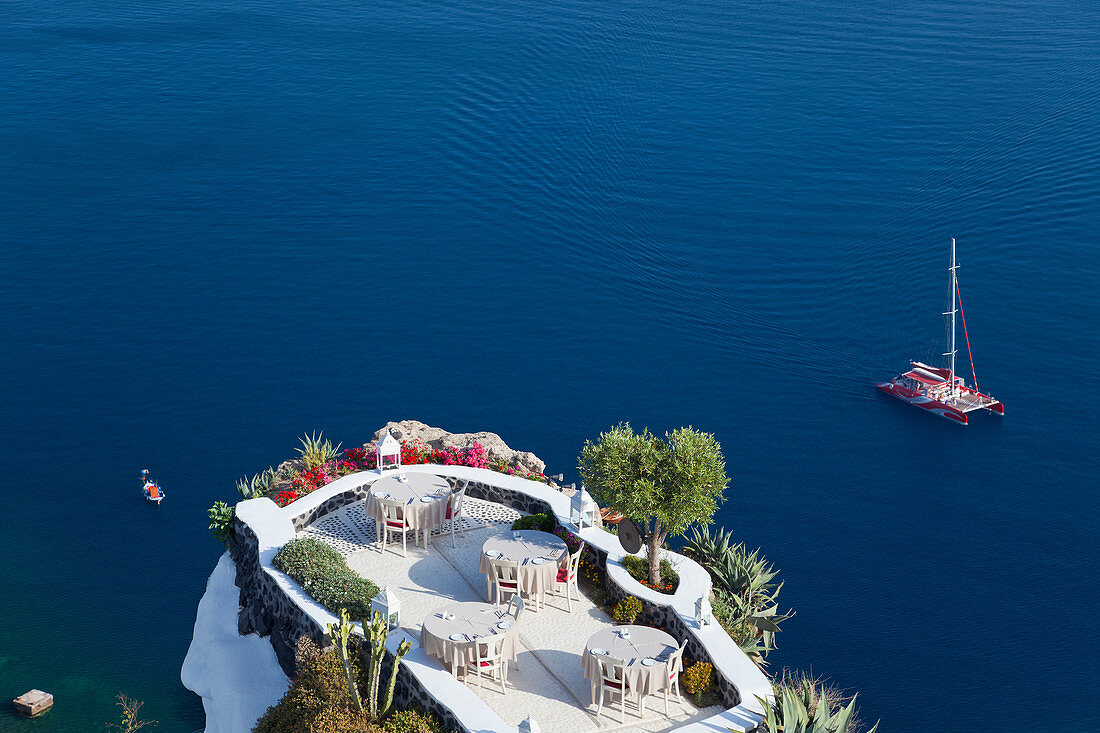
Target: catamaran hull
[
  {"x": 935, "y": 406},
  {"x": 925, "y": 403}
]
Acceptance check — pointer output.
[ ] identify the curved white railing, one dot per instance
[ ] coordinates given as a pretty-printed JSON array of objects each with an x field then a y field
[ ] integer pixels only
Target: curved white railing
[{"x": 273, "y": 527}]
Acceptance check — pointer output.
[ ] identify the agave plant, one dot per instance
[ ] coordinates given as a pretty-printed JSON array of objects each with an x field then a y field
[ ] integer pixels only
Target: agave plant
[
  {"x": 745, "y": 594},
  {"x": 258, "y": 485},
  {"x": 708, "y": 548},
  {"x": 800, "y": 706},
  {"x": 316, "y": 451}
]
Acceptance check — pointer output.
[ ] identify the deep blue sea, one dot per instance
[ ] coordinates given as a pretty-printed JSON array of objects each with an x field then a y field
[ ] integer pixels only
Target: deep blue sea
[{"x": 223, "y": 224}]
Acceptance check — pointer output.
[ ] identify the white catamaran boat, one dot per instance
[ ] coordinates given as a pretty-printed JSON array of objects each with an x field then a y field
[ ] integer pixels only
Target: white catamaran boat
[{"x": 940, "y": 390}]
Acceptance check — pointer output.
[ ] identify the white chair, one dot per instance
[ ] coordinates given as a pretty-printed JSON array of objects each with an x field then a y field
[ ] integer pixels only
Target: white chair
[
  {"x": 489, "y": 661},
  {"x": 515, "y": 608},
  {"x": 612, "y": 681},
  {"x": 454, "y": 510},
  {"x": 673, "y": 667},
  {"x": 567, "y": 576},
  {"x": 518, "y": 605},
  {"x": 393, "y": 520},
  {"x": 504, "y": 575}
]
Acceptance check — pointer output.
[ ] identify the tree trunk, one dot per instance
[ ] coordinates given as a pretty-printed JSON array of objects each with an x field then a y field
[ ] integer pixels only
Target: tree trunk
[{"x": 654, "y": 541}]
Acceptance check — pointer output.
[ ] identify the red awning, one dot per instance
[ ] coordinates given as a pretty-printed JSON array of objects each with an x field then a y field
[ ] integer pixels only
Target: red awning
[{"x": 925, "y": 377}]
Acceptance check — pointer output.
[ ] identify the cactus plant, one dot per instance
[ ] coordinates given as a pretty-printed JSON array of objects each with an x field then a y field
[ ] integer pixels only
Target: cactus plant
[
  {"x": 340, "y": 633},
  {"x": 376, "y": 632}
]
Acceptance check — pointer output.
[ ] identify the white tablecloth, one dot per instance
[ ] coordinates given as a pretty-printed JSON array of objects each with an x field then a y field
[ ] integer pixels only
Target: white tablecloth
[
  {"x": 530, "y": 545},
  {"x": 644, "y": 642},
  {"x": 476, "y": 620},
  {"x": 421, "y": 515}
]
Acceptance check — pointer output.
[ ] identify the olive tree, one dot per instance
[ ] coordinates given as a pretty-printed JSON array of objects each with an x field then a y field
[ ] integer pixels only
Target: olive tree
[{"x": 663, "y": 485}]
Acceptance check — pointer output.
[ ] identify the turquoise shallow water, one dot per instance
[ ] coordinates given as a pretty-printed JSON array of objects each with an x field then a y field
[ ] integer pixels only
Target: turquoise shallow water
[{"x": 224, "y": 224}]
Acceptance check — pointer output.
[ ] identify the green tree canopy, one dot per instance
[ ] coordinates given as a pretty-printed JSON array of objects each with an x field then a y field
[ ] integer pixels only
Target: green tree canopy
[{"x": 663, "y": 485}]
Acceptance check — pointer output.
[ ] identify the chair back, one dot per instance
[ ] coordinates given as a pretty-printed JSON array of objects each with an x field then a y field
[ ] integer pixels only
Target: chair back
[
  {"x": 517, "y": 604},
  {"x": 612, "y": 670},
  {"x": 675, "y": 663},
  {"x": 575, "y": 562},
  {"x": 505, "y": 571},
  {"x": 393, "y": 511},
  {"x": 455, "y": 506},
  {"x": 489, "y": 649}
]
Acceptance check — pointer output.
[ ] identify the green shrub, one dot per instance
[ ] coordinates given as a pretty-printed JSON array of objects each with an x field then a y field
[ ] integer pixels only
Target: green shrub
[
  {"x": 541, "y": 522},
  {"x": 325, "y": 576},
  {"x": 413, "y": 721},
  {"x": 638, "y": 567},
  {"x": 221, "y": 521},
  {"x": 627, "y": 610},
  {"x": 318, "y": 700},
  {"x": 698, "y": 679},
  {"x": 304, "y": 555}
]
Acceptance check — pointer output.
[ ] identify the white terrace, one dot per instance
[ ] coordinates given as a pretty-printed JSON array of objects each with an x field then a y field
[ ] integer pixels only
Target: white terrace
[{"x": 548, "y": 683}]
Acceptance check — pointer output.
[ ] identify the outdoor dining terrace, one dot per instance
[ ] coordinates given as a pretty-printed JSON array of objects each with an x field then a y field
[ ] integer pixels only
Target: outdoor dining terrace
[
  {"x": 447, "y": 609},
  {"x": 546, "y": 680}
]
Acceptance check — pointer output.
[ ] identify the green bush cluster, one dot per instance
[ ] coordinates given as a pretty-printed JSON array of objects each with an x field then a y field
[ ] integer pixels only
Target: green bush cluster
[
  {"x": 638, "y": 567},
  {"x": 325, "y": 576},
  {"x": 541, "y": 522},
  {"x": 627, "y": 610},
  {"x": 413, "y": 721}
]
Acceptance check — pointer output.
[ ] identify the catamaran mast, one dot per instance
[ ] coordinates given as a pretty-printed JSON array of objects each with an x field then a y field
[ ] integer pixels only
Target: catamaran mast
[{"x": 954, "y": 310}]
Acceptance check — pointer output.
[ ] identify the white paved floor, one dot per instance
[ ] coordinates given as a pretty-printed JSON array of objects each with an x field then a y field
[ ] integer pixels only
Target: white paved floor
[{"x": 549, "y": 684}]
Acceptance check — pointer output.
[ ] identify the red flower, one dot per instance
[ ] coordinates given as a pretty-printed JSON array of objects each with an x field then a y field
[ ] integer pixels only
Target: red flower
[{"x": 285, "y": 497}]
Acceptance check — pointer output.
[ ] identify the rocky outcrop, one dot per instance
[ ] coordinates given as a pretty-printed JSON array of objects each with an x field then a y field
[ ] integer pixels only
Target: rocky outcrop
[{"x": 494, "y": 445}]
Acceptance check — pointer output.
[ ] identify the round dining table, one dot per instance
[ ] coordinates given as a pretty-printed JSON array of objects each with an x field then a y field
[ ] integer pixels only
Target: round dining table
[
  {"x": 449, "y": 632},
  {"x": 539, "y": 555},
  {"x": 424, "y": 495},
  {"x": 644, "y": 649}
]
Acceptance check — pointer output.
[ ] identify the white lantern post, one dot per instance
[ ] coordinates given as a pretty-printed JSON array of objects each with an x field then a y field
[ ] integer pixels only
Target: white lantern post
[
  {"x": 575, "y": 508},
  {"x": 528, "y": 725},
  {"x": 387, "y": 604},
  {"x": 388, "y": 450},
  {"x": 582, "y": 510},
  {"x": 588, "y": 509},
  {"x": 703, "y": 615}
]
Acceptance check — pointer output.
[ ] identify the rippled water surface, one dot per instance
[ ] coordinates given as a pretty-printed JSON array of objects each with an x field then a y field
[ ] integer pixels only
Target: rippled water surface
[{"x": 226, "y": 223}]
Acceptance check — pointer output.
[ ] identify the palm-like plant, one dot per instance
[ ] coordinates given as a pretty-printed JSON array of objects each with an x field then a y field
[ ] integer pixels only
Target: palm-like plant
[{"x": 316, "y": 451}]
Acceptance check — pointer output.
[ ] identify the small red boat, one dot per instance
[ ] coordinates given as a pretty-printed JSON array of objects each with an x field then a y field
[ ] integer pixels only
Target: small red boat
[{"x": 940, "y": 390}]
